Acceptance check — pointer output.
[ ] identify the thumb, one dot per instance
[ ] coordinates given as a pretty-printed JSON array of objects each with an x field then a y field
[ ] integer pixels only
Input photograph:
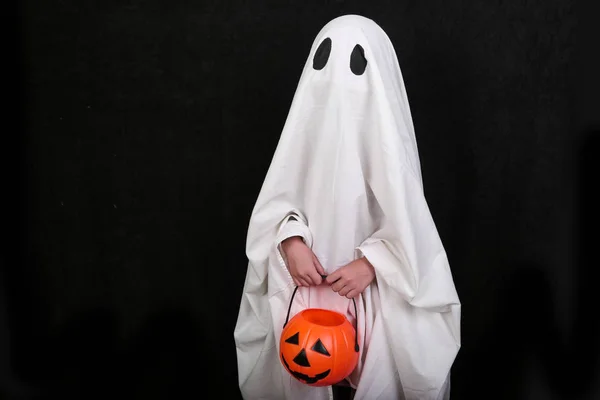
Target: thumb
[
  {"x": 334, "y": 276},
  {"x": 318, "y": 266}
]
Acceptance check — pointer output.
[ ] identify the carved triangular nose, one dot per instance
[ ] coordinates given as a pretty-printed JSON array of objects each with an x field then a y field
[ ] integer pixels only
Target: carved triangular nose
[{"x": 301, "y": 359}]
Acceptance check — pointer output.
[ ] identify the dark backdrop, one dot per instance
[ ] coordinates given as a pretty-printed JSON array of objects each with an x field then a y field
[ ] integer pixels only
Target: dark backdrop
[{"x": 145, "y": 129}]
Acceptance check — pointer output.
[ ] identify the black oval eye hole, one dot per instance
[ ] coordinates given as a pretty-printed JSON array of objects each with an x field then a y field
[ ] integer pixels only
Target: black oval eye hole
[
  {"x": 358, "y": 62},
  {"x": 322, "y": 54}
]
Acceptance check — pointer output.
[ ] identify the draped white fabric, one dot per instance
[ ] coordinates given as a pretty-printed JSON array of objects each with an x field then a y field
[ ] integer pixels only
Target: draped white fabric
[{"x": 347, "y": 168}]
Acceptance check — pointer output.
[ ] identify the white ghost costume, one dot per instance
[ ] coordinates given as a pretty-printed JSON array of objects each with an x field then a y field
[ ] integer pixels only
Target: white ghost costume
[{"x": 346, "y": 178}]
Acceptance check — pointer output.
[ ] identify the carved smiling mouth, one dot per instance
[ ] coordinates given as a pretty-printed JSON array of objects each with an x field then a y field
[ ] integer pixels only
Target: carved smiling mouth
[{"x": 308, "y": 379}]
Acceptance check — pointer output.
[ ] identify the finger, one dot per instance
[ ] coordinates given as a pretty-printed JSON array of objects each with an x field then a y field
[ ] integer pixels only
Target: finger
[
  {"x": 339, "y": 285},
  {"x": 318, "y": 266},
  {"x": 303, "y": 282},
  {"x": 307, "y": 278},
  {"x": 334, "y": 276},
  {"x": 296, "y": 282},
  {"x": 316, "y": 277},
  {"x": 345, "y": 290},
  {"x": 352, "y": 294}
]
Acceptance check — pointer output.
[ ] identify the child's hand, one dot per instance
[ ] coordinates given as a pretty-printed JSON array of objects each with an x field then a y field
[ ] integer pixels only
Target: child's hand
[
  {"x": 353, "y": 278},
  {"x": 303, "y": 265}
]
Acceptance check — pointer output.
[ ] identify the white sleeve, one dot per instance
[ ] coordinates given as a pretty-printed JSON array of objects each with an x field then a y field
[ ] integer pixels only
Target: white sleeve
[{"x": 294, "y": 225}]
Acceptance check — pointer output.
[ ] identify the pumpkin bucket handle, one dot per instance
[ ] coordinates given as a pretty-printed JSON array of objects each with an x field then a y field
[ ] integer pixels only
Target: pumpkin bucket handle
[{"x": 287, "y": 318}]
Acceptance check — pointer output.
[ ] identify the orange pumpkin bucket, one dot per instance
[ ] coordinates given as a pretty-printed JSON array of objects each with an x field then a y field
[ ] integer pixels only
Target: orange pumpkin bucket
[{"x": 319, "y": 347}]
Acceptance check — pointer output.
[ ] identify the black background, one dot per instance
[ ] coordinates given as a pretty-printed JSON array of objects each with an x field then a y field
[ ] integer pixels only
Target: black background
[{"x": 145, "y": 129}]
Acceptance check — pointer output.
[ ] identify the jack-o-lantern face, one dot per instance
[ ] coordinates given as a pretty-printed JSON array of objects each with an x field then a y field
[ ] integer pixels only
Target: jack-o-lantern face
[
  {"x": 317, "y": 347},
  {"x": 302, "y": 360}
]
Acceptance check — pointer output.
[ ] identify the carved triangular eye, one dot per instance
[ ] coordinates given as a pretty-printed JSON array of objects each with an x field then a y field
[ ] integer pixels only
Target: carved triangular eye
[
  {"x": 319, "y": 347},
  {"x": 294, "y": 339},
  {"x": 301, "y": 359}
]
